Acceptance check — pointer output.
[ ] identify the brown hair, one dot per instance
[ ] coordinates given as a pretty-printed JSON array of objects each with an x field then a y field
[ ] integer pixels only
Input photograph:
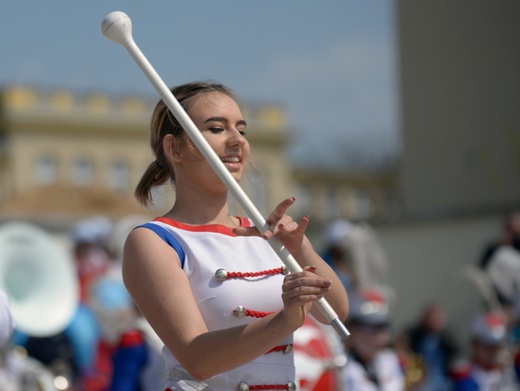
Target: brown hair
[{"x": 163, "y": 122}]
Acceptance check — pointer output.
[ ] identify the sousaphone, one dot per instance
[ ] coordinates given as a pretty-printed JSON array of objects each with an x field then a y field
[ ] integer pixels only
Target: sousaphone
[{"x": 39, "y": 277}]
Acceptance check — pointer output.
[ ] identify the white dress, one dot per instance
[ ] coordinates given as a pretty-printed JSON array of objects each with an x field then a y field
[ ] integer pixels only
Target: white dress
[{"x": 207, "y": 249}]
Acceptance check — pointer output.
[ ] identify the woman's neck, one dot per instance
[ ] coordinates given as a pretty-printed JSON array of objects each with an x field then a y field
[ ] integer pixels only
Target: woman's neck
[{"x": 204, "y": 210}]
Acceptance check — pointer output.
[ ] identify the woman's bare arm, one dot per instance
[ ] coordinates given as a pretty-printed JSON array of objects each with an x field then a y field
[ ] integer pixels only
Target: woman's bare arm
[{"x": 161, "y": 290}]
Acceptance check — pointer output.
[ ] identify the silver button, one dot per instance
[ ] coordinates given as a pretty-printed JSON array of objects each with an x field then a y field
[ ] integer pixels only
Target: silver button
[
  {"x": 221, "y": 275},
  {"x": 291, "y": 386},
  {"x": 243, "y": 386},
  {"x": 239, "y": 312},
  {"x": 288, "y": 349},
  {"x": 285, "y": 270}
]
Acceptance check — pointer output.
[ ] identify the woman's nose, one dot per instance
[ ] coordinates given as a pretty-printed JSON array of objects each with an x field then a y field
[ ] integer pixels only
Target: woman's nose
[{"x": 236, "y": 138}]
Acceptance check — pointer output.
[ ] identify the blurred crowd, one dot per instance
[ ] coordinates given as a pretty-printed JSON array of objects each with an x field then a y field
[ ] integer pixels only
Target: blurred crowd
[
  {"x": 425, "y": 356},
  {"x": 107, "y": 345}
]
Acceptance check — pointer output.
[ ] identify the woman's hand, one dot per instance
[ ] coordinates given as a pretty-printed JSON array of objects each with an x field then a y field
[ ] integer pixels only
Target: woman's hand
[
  {"x": 303, "y": 288},
  {"x": 299, "y": 291},
  {"x": 282, "y": 226}
]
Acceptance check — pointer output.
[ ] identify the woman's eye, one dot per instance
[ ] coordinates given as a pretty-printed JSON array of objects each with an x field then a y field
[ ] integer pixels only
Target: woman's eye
[
  {"x": 242, "y": 132},
  {"x": 216, "y": 129}
]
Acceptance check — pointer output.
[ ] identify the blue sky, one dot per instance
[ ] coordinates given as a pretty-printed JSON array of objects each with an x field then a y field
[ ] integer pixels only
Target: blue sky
[{"x": 331, "y": 64}]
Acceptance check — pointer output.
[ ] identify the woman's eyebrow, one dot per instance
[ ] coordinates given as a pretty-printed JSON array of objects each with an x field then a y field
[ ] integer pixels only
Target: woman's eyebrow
[{"x": 223, "y": 119}]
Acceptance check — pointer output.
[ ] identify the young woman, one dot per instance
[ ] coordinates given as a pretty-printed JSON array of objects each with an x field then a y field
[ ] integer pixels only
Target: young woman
[{"x": 207, "y": 282}]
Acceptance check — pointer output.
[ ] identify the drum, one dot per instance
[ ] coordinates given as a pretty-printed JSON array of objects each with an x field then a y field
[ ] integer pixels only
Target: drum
[{"x": 319, "y": 355}]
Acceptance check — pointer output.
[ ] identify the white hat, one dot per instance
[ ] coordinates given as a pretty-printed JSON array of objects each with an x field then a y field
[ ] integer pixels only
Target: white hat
[
  {"x": 489, "y": 328},
  {"x": 369, "y": 307},
  {"x": 337, "y": 231},
  {"x": 95, "y": 230}
]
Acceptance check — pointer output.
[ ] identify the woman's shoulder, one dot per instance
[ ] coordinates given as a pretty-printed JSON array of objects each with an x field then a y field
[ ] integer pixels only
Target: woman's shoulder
[{"x": 145, "y": 243}]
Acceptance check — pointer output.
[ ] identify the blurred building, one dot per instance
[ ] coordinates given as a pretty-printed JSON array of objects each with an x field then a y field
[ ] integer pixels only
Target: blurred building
[
  {"x": 64, "y": 156},
  {"x": 460, "y": 90},
  {"x": 459, "y": 172},
  {"x": 349, "y": 194}
]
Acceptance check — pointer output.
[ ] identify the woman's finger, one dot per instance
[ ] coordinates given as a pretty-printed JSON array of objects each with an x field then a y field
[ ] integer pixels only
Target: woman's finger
[
  {"x": 279, "y": 210},
  {"x": 305, "y": 280},
  {"x": 302, "y": 227}
]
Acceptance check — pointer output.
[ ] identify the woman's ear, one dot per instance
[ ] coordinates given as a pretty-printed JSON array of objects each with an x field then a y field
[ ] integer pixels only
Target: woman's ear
[{"x": 172, "y": 147}]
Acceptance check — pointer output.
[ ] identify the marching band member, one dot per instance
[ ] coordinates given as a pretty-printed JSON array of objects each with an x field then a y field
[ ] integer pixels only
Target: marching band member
[
  {"x": 430, "y": 338},
  {"x": 212, "y": 288},
  {"x": 491, "y": 366},
  {"x": 371, "y": 364}
]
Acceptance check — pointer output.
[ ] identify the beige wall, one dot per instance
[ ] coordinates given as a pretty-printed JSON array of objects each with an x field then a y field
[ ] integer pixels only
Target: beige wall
[{"x": 459, "y": 63}]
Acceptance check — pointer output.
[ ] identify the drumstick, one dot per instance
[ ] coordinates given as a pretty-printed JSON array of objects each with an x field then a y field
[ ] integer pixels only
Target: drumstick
[{"x": 117, "y": 27}]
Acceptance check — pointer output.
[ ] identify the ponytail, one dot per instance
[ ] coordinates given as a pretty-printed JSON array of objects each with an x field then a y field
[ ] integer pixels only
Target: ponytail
[{"x": 155, "y": 175}]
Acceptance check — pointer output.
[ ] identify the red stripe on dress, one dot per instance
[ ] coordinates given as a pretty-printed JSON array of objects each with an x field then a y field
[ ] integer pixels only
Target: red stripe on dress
[{"x": 216, "y": 228}]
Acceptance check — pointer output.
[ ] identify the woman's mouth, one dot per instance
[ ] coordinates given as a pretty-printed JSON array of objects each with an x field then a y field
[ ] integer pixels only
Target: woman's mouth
[{"x": 231, "y": 162}]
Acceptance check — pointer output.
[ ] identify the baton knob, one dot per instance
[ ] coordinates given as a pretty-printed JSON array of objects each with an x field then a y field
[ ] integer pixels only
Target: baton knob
[{"x": 117, "y": 27}]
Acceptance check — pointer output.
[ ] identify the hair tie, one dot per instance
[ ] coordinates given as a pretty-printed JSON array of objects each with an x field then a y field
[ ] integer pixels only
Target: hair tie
[{"x": 159, "y": 165}]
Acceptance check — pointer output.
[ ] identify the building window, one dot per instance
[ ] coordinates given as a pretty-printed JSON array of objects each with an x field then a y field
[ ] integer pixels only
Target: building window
[
  {"x": 46, "y": 170},
  {"x": 119, "y": 176},
  {"x": 83, "y": 172}
]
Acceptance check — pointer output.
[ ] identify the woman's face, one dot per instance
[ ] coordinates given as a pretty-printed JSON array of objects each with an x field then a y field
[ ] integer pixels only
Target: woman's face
[{"x": 220, "y": 121}]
